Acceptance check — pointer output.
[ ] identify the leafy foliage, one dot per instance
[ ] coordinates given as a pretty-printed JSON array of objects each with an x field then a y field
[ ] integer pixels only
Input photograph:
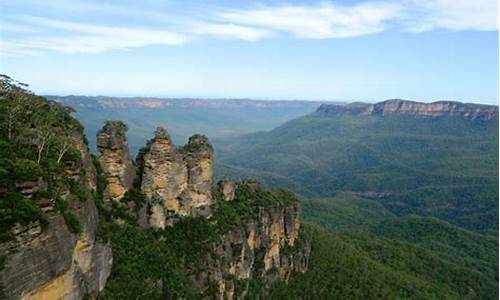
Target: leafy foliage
[
  {"x": 72, "y": 222},
  {"x": 457, "y": 259},
  {"x": 37, "y": 143},
  {"x": 360, "y": 266},
  {"x": 15, "y": 208}
]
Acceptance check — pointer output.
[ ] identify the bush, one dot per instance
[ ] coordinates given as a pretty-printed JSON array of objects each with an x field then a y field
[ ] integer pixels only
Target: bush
[
  {"x": 27, "y": 170},
  {"x": 72, "y": 222},
  {"x": 15, "y": 208},
  {"x": 76, "y": 189},
  {"x": 134, "y": 195}
]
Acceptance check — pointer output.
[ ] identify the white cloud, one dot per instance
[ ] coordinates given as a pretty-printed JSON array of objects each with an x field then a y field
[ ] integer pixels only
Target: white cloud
[
  {"x": 324, "y": 20},
  {"x": 425, "y": 15},
  {"x": 245, "y": 33},
  {"x": 320, "y": 21},
  {"x": 88, "y": 38}
]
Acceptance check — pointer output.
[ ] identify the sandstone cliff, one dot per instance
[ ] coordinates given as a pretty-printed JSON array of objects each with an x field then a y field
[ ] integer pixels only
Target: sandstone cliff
[
  {"x": 263, "y": 249},
  {"x": 176, "y": 182},
  {"x": 115, "y": 160},
  {"x": 405, "y": 107},
  {"x": 49, "y": 261}
]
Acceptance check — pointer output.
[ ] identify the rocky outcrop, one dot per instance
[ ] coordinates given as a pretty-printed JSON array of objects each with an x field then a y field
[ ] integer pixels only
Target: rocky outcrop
[
  {"x": 227, "y": 189},
  {"x": 265, "y": 248},
  {"x": 263, "y": 245},
  {"x": 176, "y": 182},
  {"x": 115, "y": 160},
  {"x": 405, "y": 107},
  {"x": 51, "y": 262}
]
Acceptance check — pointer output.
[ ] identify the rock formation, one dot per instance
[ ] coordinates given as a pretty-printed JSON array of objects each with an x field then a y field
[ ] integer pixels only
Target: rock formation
[
  {"x": 226, "y": 188},
  {"x": 115, "y": 160},
  {"x": 176, "y": 182},
  {"x": 405, "y": 107},
  {"x": 50, "y": 262},
  {"x": 258, "y": 249}
]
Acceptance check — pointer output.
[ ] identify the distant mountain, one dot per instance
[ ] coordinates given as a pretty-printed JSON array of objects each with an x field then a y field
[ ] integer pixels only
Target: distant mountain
[
  {"x": 153, "y": 102},
  {"x": 183, "y": 117},
  {"x": 405, "y": 107},
  {"x": 438, "y": 159}
]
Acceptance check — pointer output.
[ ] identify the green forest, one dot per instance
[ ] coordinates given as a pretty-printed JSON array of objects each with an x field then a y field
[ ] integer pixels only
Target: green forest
[{"x": 444, "y": 167}]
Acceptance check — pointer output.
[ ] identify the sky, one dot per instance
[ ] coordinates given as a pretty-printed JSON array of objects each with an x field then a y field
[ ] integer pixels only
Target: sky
[{"x": 371, "y": 50}]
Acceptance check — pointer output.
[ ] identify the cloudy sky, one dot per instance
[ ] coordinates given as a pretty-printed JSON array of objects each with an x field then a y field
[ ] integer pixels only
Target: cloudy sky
[{"x": 327, "y": 50}]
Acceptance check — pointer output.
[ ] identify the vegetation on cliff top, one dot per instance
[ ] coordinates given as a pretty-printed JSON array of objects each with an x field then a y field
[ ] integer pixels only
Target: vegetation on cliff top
[{"x": 37, "y": 144}]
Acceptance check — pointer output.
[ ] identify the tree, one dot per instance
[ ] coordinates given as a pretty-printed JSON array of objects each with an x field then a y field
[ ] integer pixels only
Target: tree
[
  {"x": 65, "y": 139},
  {"x": 14, "y": 98},
  {"x": 43, "y": 128}
]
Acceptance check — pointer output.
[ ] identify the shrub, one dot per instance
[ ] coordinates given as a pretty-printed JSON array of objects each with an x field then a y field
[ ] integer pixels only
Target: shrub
[
  {"x": 72, "y": 222},
  {"x": 15, "y": 208},
  {"x": 27, "y": 170}
]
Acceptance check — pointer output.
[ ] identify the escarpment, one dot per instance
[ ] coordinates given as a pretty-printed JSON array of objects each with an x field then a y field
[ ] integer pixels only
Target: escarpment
[
  {"x": 56, "y": 256},
  {"x": 405, "y": 107}
]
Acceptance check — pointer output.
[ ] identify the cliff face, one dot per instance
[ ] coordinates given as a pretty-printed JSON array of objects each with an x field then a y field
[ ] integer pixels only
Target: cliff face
[
  {"x": 405, "y": 107},
  {"x": 115, "y": 160},
  {"x": 176, "y": 182},
  {"x": 49, "y": 261},
  {"x": 263, "y": 249}
]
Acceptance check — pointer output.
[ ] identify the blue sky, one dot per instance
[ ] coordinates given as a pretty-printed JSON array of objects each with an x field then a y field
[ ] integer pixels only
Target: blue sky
[{"x": 368, "y": 50}]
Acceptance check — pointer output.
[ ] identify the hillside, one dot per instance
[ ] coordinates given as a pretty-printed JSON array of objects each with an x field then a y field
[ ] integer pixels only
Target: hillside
[
  {"x": 183, "y": 117},
  {"x": 363, "y": 266},
  {"x": 444, "y": 165}
]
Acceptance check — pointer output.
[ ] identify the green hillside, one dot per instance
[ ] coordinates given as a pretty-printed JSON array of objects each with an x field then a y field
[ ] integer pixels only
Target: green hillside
[
  {"x": 360, "y": 250},
  {"x": 362, "y": 266},
  {"x": 445, "y": 167}
]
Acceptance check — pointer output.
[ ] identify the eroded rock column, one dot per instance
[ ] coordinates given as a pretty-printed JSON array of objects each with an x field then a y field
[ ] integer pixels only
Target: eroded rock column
[
  {"x": 198, "y": 155},
  {"x": 115, "y": 160},
  {"x": 164, "y": 178},
  {"x": 176, "y": 182}
]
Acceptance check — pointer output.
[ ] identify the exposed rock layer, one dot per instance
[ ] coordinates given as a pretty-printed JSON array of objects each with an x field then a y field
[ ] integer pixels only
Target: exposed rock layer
[
  {"x": 176, "y": 182},
  {"x": 115, "y": 160},
  {"x": 258, "y": 250},
  {"x": 53, "y": 263},
  {"x": 405, "y": 107}
]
